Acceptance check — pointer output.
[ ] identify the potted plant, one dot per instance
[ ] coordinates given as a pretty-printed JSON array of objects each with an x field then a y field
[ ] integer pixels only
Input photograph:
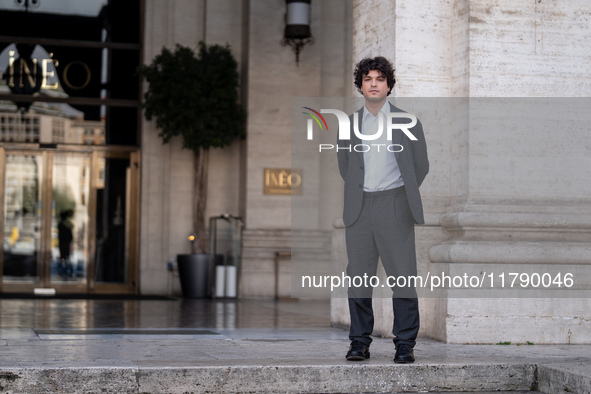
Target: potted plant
[{"x": 195, "y": 96}]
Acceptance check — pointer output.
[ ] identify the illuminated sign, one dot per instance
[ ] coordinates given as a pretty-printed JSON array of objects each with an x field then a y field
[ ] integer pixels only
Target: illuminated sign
[{"x": 26, "y": 76}]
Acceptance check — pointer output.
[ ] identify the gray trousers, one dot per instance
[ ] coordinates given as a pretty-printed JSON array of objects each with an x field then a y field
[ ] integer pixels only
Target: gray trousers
[{"x": 384, "y": 229}]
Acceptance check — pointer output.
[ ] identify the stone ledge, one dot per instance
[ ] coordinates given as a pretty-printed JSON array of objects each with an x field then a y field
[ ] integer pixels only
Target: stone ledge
[
  {"x": 500, "y": 252},
  {"x": 564, "y": 378},
  {"x": 551, "y": 221}
]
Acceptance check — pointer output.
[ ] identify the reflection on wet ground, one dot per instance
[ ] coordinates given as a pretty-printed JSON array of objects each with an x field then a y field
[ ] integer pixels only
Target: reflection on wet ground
[{"x": 180, "y": 313}]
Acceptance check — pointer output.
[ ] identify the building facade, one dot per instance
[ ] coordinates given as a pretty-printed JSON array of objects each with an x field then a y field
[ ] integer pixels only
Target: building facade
[{"x": 70, "y": 98}]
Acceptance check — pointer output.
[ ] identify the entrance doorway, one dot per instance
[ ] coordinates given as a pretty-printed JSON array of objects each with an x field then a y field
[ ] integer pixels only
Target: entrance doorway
[
  {"x": 69, "y": 145},
  {"x": 69, "y": 219}
]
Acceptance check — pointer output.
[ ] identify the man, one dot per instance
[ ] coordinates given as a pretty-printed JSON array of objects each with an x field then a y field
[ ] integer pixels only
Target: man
[{"x": 382, "y": 205}]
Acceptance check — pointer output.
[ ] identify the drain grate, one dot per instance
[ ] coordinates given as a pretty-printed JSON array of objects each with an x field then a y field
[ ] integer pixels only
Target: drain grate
[{"x": 121, "y": 331}]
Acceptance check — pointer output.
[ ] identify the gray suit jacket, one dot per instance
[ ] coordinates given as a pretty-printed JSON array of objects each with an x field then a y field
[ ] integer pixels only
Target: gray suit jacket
[{"x": 412, "y": 161}]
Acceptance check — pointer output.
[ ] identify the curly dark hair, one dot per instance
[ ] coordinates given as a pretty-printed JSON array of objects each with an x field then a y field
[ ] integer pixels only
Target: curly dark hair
[{"x": 378, "y": 63}]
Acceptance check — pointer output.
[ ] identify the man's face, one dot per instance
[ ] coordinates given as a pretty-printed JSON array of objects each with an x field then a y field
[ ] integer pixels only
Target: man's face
[{"x": 374, "y": 86}]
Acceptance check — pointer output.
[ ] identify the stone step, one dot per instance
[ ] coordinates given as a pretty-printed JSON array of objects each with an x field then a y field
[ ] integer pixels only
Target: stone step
[{"x": 350, "y": 378}]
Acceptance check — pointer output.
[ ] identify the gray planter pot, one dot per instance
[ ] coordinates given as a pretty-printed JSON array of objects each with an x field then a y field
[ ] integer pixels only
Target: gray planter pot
[{"x": 196, "y": 274}]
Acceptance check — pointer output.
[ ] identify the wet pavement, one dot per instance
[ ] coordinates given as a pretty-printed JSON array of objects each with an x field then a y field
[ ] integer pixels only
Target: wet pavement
[
  {"x": 178, "y": 346},
  {"x": 174, "y": 313}
]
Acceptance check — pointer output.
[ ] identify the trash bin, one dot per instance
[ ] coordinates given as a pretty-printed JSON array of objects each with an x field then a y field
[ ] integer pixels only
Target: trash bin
[{"x": 196, "y": 274}]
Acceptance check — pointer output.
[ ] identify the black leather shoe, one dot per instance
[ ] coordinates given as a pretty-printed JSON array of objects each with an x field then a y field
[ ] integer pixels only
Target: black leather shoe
[
  {"x": 358, "y": 351},
  {"x": 404, "y": 354}
]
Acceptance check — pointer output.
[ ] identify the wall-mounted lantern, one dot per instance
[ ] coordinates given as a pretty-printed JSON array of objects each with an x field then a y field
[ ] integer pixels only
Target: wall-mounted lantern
[
  {"x": 297, "y": 26},
  {"x": 28, "y": 4}
]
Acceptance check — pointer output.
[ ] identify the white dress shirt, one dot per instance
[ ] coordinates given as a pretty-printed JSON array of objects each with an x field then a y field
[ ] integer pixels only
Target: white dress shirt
[{"x": 381, "y": 168}]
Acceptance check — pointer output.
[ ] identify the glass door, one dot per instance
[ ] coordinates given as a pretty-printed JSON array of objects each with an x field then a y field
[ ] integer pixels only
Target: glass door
[
  {"x": 69, "y": 221},
  {"x": 117, "y": 214},
  {"x": 23, "y": 242}
]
